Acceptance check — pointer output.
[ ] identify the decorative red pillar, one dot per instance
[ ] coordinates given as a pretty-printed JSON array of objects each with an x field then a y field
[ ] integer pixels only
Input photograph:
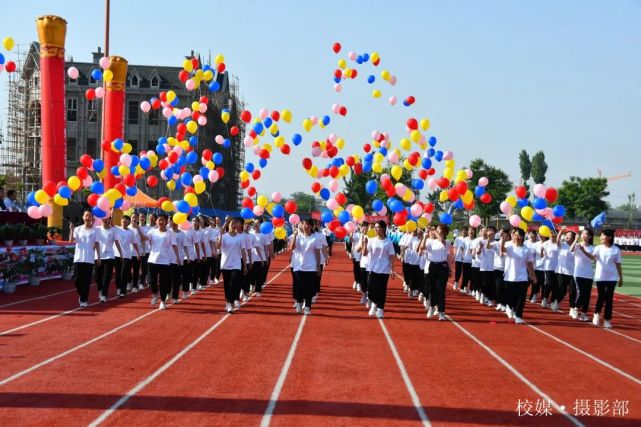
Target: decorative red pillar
[{"x": 51, "y": 33}]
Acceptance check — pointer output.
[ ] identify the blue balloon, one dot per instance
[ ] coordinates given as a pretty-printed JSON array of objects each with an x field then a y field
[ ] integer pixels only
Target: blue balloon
[
  {"x": 186, "y": 178},
  {"x": 297, "y": 139},
  {"x": 438, "y": 156},
  {"x": 98, "y": 165},
  {"x": 371, "y": 79},
  {"x": 367, "y": 167},
  {"x": 396, "y": 206},
  {"x": 359, "y": 59},
  {"x": 175, "y": 102},
  {"x": 131, "y": 191},
  {"x": 118, "y": 203},
  {"x": 262, "y": 163},
  {"x": 458, "y": 204},
  {"x": 193, "y": 141},
  {"x": 326, "y": 120},
  {"x": 182, "y": 161},
  {"x": 337, "y": 79},
  {"x": 431, "y": 152},
  {"x": 246, "y": 213},
  {"x": 266, "y": 227},
  {"x": 418, "y": 184},
  {"x": 324, "y": 193},
  {"x": 383, "y": 151},
  {"x": 365, "y": 57},
  {"x": 135, "y": 161},
  {"x": 426, "y": 163},
  {"x": 195, "y": 210},
  {"x": 118, "y": 143},
  {"x": 344, "y": 217},
  {"x": 258, "y": 128},
  {"x": 539, "y": 203},
  {"x": 522, "y": 202},
  {"x": 445, "y": 218},
  {"x": 369, "y": 157},
  {"x": 537, "y": 217},
  {"x": 327, "y": 216},
  {"x": 559, "y": 210},
  {"x": 226, "y": 143},
  {"x": 192, "y": 157},
  {"x": 207, "y": 67},
  {"x": 97, "y": 187},
  {"x": 204, "y": 171},
  {"x": 31, "y": 199},
  {"x": 276, "y": 134},
  {"x": 65, "y": 191},
  {"x": 217, "y": 158},
  {"x": 278, "y": 211},
  {"x": 1, "y": 59},
  {"x": 172, "y": 120},
  {"x": 249, "y": 167},
  {"x": 377, "y": 205},
  {"x": 479, "y": 191},
  {"x": 115, "y": 171},
  {"x": 267, "y": 122},
  {"x": 182, "y": 206},
  {"x": 371, "y": 187},
  {"x": 97, "y": 212},
  {"x": 405, "y": 103},
  {"x": 160, "y": 150},
  {"x": 214, "y": 86},
  {"x": 432, "y": 141},
  {"x": 96, "y": 74}
]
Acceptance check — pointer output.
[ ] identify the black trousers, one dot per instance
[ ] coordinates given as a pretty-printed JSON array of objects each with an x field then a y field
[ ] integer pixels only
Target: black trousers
[
  {"x": 186, "y": 274},
  {"x": 406, "y": 274},
  {"x": 364, "y": 275},
  {"x": 246, "y": 279},
  {"x": 160, "y": 274},
  {"x": 499, "y": 284},
  {"x": 466, "y": 275},
  {"x": 458, "y": 270},
  {"x": 144, "y": 269},
  {"x": 605, "y": 296},
  {"x": 196, "y": 267},
  {"x": 584, "y": 290},
  {"x": 304, "y": 287},
  {"x": 538, "y": 284},
  {"x": 135, "y": 276},
  {"x": 377, "y": 288},
  {"x": 415, "y": 277},
  {"x": 488, "y": 287},
  {"x": 204, "y": 272},
  {"x": 217, "y": 270},
  {"x": 550, "y": 283},
  {"x": 563, "y": 282},
  {"x": 177, "y": 273},
  {"x": 104, "y": 272},
  {"x": 439, "y": 271},
  {"x": 257, "y": 276},
  {"x": 123, "y": 273},
  {"x": 211, "y": 267},
  {"x": 231, "y": 283},
  {"x": 516, "y": 294},
  {"x": 356, "y": 268},
  {"x": 475, "y": 278},
  {"x": 82, "y": 281},
  {"x": 317, "y": 281},
  {"x": 427, "y": 286}
]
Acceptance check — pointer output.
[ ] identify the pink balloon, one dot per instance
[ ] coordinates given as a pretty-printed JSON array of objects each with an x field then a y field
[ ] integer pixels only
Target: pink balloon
[
  {"x": 73, "y": 73},
  {"x": 350, "y": 227},
  {"x": 515, "y": 220},
  {"x": 190, "y": 85},
  {"x": 333, "y": 185},
  {"x": 294, "y": 219},
  {"x": 539, "y": 190},
  {"x": 197, "y": 178},
  {"x": 416, "y": 210},
  {"x": 248, "y": 141},
  {"x": 331, "y": 204},
  {"x": 219, "y": 139},
  {"x": 376, "y": 134},
  {"x": 202, "y": 120},
  {"x": 352, "y": 56},
  {"x": 475, "y": 221},
  {"x": 483, "y": 181},
  {"x": 264, "y": 112},
  {"x": 276, "y": 197},
  {"x": 392, "y": 100},
  {"x": 400, "y": 190},
  {"x": 335, "y": 108},
  {"x": 45, "y": 210},
  {"x": 34, "y": 212},
  {"x": 213, "y": 176},
  {"x": 393, "y": 80},
  {"x": 145, "y": 106},
  {"x": 506, "y": 208},
  {"x": 167, "y": 112},
  {"x": 316, "y": 151},
  {"x": 100, "y": 92},
  {"x": 258, "y": 210},
  {"x": 103, "y": 203},
  {"x": 202, "y": 108},
  {"x": 337, "y": 87},
  {"x": 469, "y": 173},
  {"x": 185, "y": 226},
  {"x": 87, "y": 181},
  {"x": 383, "y": 211},
  {"x": 125, "y": 205},
  {"x": 448, "y": 155},
  {"x": 104, "y": 62}
]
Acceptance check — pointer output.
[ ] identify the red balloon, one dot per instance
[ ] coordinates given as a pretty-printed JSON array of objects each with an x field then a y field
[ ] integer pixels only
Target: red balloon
[
  {"x": 412, "y": 123},
  {"x": 152, "y": 181},
  {"x": 336, "y": 47},
  {"x": 367, "y": 148},
  {"x": 129, "y": 180},
  {"x": 90, "y": 94},
  {"x": 290, "y": 207},
  {"x": 557, "y": 220},
  {"x": 341, "y": 198},
  {"x": 10, "y": 66},
  {"x": 81, "y": 173},
  {"x": 195, "y": 115},
  {"x": 246, "y": 116},
  {"x": 155, "y": 104},
  {"x": 410, "y": 100},
  {"x": 221, "y": 67},
  {"x": 350, "y": 161},
  {"x": 316, "y": 187},
  {"x": 521, "y": 192},
  {"x": 251, "y": 191},
  {"x": 551, "y": 195},
  {"x": 234, "y": 131},
  {"x": 263, "y": 154},
  {"x": 358, "y": 168},
  {"x": 183, "y": 76},
  {"x": 470, "y": 206},
  {"x": 207, "y": 154},
  {"x": 333, "y": 171},
  {"x": 429, "y": 208},
  {"x": 340, "y": 232},
  {"x": 452, "y": 194},
  {"x": 338, "y": 74},
  {"x": 50, "y": 188},
  {"x": 121, "y": 188},
  {"x": 172, "y": 156},
  {"x": 342, "y": 111},
  {"x": 333, "y": 225},
  {"x": 307, "y": 163},
  {"x": 354, "y": 73},
  {"x": 221, "y": 173},
  {"x": 422, "y": 174},
  {"x": 195, "y": 63},
  {"x": 390, "y": 192},
  {"x": 163, "y": 163},
  {"x": 278, "y": 222},
  {"x": 256, "y": 174},
  {"x": 86, "y": 160},
  {"x": 92, "y": 199},
  {"x": 285, "y": 149},
  {"x": 275, "y": 115},
  {"x": 203, "y": 100},
  {"x": 431, "y": 171},
  {"x": 248, "y": 203},
  {"x": 461, "y": 187},
  {"x": 443, "y": 182},
  {"x": 106, "y": 145},
  {"x": 400, "y": 219},
  {"x": 486, "y": 198},
  {"x": 189, "y": 190},
  {"x": 244, "y": 184}
]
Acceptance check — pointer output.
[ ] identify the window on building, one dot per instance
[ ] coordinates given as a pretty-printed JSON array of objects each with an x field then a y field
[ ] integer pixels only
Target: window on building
[
  {"x": 134, "y": 145},
  {"x": 71, "y": 150},
  {"x": 135, "y": 81},
  {"x": 132, "y": 114},
  {"x": 155, "y": 82},
  {"x": 151, "y": 145},
  {"x": 92, "y": 147},
  {"x": 153, "y": 117},
  {"x": 72, "y": 109},
  {"x": 92, "y": 110}
]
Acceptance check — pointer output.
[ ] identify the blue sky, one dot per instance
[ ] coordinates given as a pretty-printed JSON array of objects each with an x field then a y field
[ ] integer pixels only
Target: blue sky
[{"x": 493, "y": 77}]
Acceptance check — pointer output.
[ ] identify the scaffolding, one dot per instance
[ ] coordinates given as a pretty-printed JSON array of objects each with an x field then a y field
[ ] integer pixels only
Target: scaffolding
[{"x": 20, "y": 161}]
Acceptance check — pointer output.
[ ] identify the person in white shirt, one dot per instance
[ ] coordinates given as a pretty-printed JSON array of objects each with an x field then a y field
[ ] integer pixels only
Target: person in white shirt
[
  {"x": 250, "y": 244},
  {"x": 199, "y": 267},
  {"x": 428, "y": 279},
  {"x": 485, "y": 254},
  {"x": 402, "y": 244},
  {"x": 136, "y": 261},
  {"x": 212, "y": 233},
  {"x": 127, "y": 238},
  {"x": 218, "y": 226},
  {"x": 87, "y": 241},
  {"x": 363, "y": 262},
  {"x": 583, "y": 273},
  {"x": 306, "y": 264},
  {"x": 176, "y": 262},
  {"x": 467, "y": 261},
  {"x": 355, "y": 256},
  {"x": 459, "y": 249},
  {"x": 550, "y": 255},
  {"x": 499, "y": 270},
  {"x": 519, "y": 268},
  {"x": 534, "y": 245},
  {"x": 144, "y": 259},
  {"x": 260, "y": 254},
  {"x": 380, "y": 251},
  {"x": 160, "y": 255},
  {"x": 10, "y": 202},
  {"x": 607, "y": 275},
  {"x": 412, "y": 257},
  {"x": 475, "y": 272},
  {"x": 233, "y": 262},
  {"x": 565, "y": 272},
  {"x": 324, "y": 256},
  {"x": 439, "y": 252},
  {"x": 107, "y": 238}
]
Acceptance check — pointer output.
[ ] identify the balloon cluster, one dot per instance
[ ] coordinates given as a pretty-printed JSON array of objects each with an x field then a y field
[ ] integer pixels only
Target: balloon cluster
[
  {"x": 521, "y": 211},
  {"x": 275, "y": 209},
  {"x": 9, "y": 66}
]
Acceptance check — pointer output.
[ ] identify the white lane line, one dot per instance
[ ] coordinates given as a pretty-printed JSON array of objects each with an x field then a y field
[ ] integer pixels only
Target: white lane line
[
  {"x": 588, "y": 355},
  {"x": 406, "y": 378},
  {"x": 39, "y": 298},
  {"x": 267, "y": 416},
  {"x": 624, "y": 335},
  {"x": 517, "y": 374},
  {"x": 46, "y": 319},
  {"x": 145, "y": 382}
]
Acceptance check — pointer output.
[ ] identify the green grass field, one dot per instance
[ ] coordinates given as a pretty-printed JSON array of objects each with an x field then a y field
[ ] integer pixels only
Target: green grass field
[{"x": 631, "y": 275}]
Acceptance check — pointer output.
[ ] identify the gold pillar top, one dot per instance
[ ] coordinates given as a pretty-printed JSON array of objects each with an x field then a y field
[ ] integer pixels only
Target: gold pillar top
[
  {"x": 118, "y": 66},
  {"x": 51, "y": 30}
]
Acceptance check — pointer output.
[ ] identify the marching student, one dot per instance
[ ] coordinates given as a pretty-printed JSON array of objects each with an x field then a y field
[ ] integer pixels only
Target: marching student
[
  {"x": 233, "y": 261},
  {"x": 250, "y": 246},
  {"x": 518, "y": 268},
  {"x": 565, "y": 272},
  {"x": 260, "y": 252},
  {"x": 467, "y": 261},
  {"x": 212, "y": 233},
  {"x": 363, "y": 263},
  {"x": 306, "y": 250},
  {"x": 380, "y": 251},
  {"x": 583, "y": 273},
  {"x": 104, "y": 271},
  {"x": 499, "y": 271},
  {"x": 355, "y": 256},
  {"x": 136, "y": 261},
  {"x": 145, "y": 227},
  {"x": 439, "y": 251},
  {"x": 475, "y": 271},
  {"x": 324, "y": 257},
  {"x": 217, "y": 272},
  {"x": 485, "y": 254},
  {"x": 159, "y": 260},
  {"x": 428, "y": 279},
  {"x": 459, "y": 249},
  {"x": 550, "y": 254},
  {"x": 403, "y": 244},
  {"x": 607, "y": 275},
  {"x": 176, "y": 261},
  {"x": 87, "y": 241},
  {"x": 410, "y": 259},
  {"x": 125, "y": 237},
  {"x": 198, "y": 264},
  {"x": 534, "y": 244}
]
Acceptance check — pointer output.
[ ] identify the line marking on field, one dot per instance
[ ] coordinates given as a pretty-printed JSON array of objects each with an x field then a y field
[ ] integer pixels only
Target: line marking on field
[
  {"x": 416, "y": 401},
  {"x": 624, "y": 335},
  {"x": 269, "y": 411},
  {"x": 145, "y": 382},
  {"x": 39, "y": 298},
  {"x": 516, "y": 373}
]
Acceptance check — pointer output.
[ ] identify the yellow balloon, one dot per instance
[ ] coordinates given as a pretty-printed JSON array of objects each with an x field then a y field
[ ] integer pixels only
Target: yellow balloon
[
  {"x": 313, "y": 171},
  {"x": 342, "y": 64},
  {"x": 195, "y": 106},
  {"x": 200, "y": 186},
  {"x": 188, "y": 66},
  {"x": 423, "y": 222},
  {"x": 59, "y": 200},
  {"x": 385, "y": 75},
  {"x": 225, "y": 116},
  {"x": 450, "y": 164},
  {"x": 425, "y": 124},
  {"x": 171, "y": 185},
  {"x": 244, "y": 175},
  {"x": 286, "y": 115},
  {"x": 375, "y": 57},
  {"x": 340, "y": 143},
  {"x": 448, "y": 173},
  {"x": 377, "y": 167},
  {"x": 397, "y": 172},
  {"x": 467, "y": 197},
  {"x": 376, "y": 93},
  {"x": 357, "y": 212},
  {"x": 343, "y": 170},
  {"x": 270, "y": 207},
  {"x": 379, "y": 158},
  {"x": 410, "y": 225},
  {"x": 167, "y": 206},
  {"x": 219, "y": 59},
  {"x": 123, "y": 170},
  {"x": 112, "y": 194},
  {"x": 199, "y": 76},
  {"x": 179, "y": 217},
  {"x": 511, "y": 200},
  {"x": 8, "y": 43},
  {"x": 279, "y": 141},
  {"x": 184, "y": 144},
  {"x": 209, "y": 75},
  {"x": 407, "y": 165},
  {"x": 74, "y": 182},
  {"x": 347, "y": 73},
  {"x": 307, "y": 125},
  {"x": 527, "y": 213},
  {"x": 41, "y": 197},
  {"x": 405, "y": 144},
  {"x": 262, "y": 201},
  {"x": 415, "y": 136},
  {"x": 192, "y": 199},
  {"x": 280, "y": 233},
  {"x": 126, "y": 148},
  {"x": 171, "y": 95},
  {"x": 107, "y": 75},
  {"x": 523, "y": 226},
  {"x": 408, "y": 196},
  {"x": 442, "y": 196},
  {"x": 211, "y": 165}
]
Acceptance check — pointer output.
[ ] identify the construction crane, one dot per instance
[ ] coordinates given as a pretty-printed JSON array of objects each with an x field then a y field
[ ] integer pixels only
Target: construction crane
[{"x": 613, "y": 178}]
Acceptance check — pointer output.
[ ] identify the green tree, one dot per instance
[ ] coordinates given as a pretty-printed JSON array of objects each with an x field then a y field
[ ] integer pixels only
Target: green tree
[
  {"x": 630, "y": 208},
  {"x": 499, "y": 186},
  {"x": 355, "y": 187},
  {"x": 584, "y": 197},
  {"x": 539, "y": 168},
  {"x": 305, "y": 202},
  {"x": 526, "y": 167}
]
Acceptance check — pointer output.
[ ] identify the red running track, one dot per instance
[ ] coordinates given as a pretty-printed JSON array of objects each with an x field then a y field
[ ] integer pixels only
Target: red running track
[{"x": 123, "y": 362}]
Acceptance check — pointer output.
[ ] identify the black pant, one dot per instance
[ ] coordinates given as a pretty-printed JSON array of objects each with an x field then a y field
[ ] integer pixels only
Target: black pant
[
  {"x": 211, "y": 263},
  {"x": 605, "y": 295},
  {"x": 488, "y": 285},
  {"x": 231, "y": 283},
  {"x": 356, "y": 266},
  {"x": 475, "y": 278},
  {"x": 144, "y": 269},
  {"x": 516, "y": 293},
  {"x": 499, "y": 284},
  {"x": 466, "y": 276},
  {"x": 123, "y": 273},
  {"x": 550, "y": 283},
  {"x": 439, "y": 272},
  {"x": 563, "y": 281},
  {"x": 317, "y": 281},
  {"x": 538, "y": 284},
  {"x": 204, "y": 272},
  {"x": 377, "y": 289},
  {"x": 177, "y": 272},
  {"x": 82, "y": 279},
  {"x": 584, "y": 290},
  {"x": 304, "y": 287},
  {"x": 217, "y": 267},
  {"x": 246, "y": 279},
  {"x": 427, "y": 286},
  {"x": 414, "y": 277},
  {"x": 135, "y": 277},
  {"x": 458, "y": 270},
  {"x": 364, "y": 280},
  {"x": 196, "y": 267},
  {"x": 160, "y": 274},
  {"x": 256, "y": 276},
  {"x": 103, "y": 276}
]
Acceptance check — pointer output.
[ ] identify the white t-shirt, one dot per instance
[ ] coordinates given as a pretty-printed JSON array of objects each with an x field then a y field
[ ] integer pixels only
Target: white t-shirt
[
  {"x": 356, "y": 237},
  {"x": 161, "y": 250},
  {"x": 213, "y": 237},
  {"x": 405, "y": 242},
  {"x": 459, "y": 248},
  {"x": 436, "y": 250},
  {"x": 231, "y": 249},
  {"x": 566, "y": 260},
  {"x": 198, "y": 236},
  {"x": 138, "y": 241},
  {"x": 499, "y": 261},
  {"x": 145, "y": 244},
  {"x": 323, "y": 241},
  {"x": 535, "y": 247},
  {"x": 582, "y": 264},
  {"x": 467, "y": 250},
  {"x": 486, "y": 257},
  {"x": 379, "y": 252},
  {"x": 106, "y": 237},
  {"x": 551, "y": 256},
  {"x": 411, "y": 253},
  {"x": 476, "y": 243},
  {"x": 516, "y": 260},
  {"x": 250, "y": 244},
  {"x": 304, "y": 254},
  {"x": 606, "y": 260},
  {"x": 126, "y": 238},
  {"x": 364, "y": 262},
  {"x": 178, "y": 239},
  {"x": 258, "y": 247},
  {"x": 206, "y": 240},
  {"x": 86, "y": 239}
]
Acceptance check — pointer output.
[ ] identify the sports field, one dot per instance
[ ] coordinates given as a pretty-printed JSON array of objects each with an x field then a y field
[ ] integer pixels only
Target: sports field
[{"x": 631, "y": 275}]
